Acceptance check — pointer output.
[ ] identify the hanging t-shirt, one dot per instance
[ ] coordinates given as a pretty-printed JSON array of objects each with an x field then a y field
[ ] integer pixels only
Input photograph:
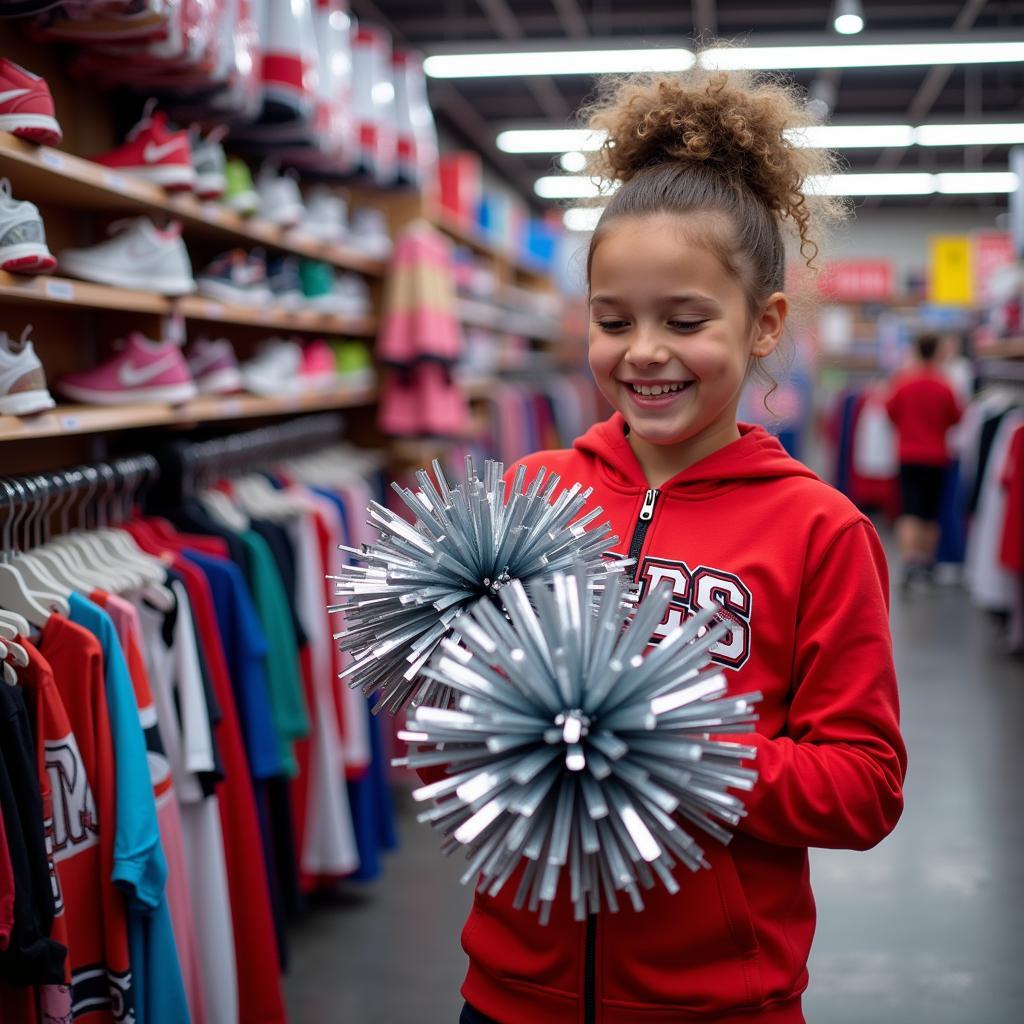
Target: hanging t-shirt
[
  {"x": 6, "y": 890},
  {"x": 102, "y": 988},
  {"x": 291, "y": 718},
  {"x": 185, "y": 730},
  {"x": 139, "y": 865},
  {"x": 31, "y": 956},
  {"x": 1011, "y": 546}
]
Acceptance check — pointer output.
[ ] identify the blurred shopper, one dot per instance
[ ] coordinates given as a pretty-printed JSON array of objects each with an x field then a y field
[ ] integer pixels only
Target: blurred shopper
[{"x": 923, "y": 407}]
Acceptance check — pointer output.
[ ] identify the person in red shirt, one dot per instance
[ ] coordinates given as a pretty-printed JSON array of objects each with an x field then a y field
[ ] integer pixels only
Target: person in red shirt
[
  {"x": 686, "y": 272},
  {"x": 923, "y": 406}
]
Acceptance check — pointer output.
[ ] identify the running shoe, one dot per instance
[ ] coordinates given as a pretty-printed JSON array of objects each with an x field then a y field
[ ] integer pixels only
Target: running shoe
[
  {"x": 337, "y": 294},
  {"x": 26, "y": 106},
  {"x": 237, "y": 278},
  {"x": 239, "y": 193},
  {"x": 142, "y": 371},
  {"x": 353, "y": 363},
  {"x": 318, "y": 372},
  {"x": 209, "y": 163},
  {"x": 368, "y": 232},
  {"x": 275, "y": 369},
  {"x": 326, "y": 217},
  {"x": 285, "y": 282},
  {"x": 213, "y": 366},
  {"x": 22, "y": 236},
  {"x": 22, "y": 380},
  {"x": 154, "y": 152},
  {"x": 280, "y": 198},
  {"x": 139, "y": 255}
]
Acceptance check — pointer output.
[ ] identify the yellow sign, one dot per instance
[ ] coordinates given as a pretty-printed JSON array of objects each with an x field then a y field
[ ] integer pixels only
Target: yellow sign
[{"x": 950, "y": 277}]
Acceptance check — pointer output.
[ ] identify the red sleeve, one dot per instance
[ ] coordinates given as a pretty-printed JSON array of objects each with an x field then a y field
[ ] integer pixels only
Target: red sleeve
[
  {"x": 835, "y": 779},
  {"x": 892, "y": 404}
]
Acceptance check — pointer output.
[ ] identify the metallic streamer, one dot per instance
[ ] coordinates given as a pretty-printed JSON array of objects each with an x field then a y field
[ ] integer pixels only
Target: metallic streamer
[
  {"x": 569, "y": 749},
  {"x": 466, "y": 542}
]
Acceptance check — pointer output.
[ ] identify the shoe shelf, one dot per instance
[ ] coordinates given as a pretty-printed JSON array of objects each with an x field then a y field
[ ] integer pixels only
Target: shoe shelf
[
  {"x": 489, "y": 315},
  {"x": 52, "y": 176},
  {"x": 60, "y": 291},
  {"x": 1008, "y": 348},
  {"x": 67, "y": 420},
  {"x": 473, "y": 238}
]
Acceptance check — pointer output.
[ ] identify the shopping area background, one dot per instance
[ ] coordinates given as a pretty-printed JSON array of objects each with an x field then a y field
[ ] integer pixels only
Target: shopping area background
[{"x": 259, "y": 259}]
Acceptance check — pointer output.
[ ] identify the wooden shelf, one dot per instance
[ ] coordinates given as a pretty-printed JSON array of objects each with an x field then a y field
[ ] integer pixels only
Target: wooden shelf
[
  {"x": 1008, "y": 348},
  {"x": 67, "y": 420},
  {"x": 473, "y": 238},
  {"x": 59, "y": 291},
  {"x": 197, "y": 308},
  {"x": 47, "y": 175}
]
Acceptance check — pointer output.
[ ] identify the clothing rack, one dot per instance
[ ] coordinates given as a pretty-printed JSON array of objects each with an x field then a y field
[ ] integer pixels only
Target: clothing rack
[
  {"x": 1001, "y": 371},
  {"x": 105, "y": 494}
]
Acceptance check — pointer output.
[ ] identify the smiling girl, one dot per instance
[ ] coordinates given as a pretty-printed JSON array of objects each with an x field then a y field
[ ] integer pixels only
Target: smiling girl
[{"x": 686, "y": 274}]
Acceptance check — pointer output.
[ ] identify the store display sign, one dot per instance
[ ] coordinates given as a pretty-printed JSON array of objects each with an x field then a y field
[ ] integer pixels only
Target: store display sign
[
  {"x": 950, "y": 273},
  {"x": 857, "y": 280},
  {"x": 993, "y": 250}
]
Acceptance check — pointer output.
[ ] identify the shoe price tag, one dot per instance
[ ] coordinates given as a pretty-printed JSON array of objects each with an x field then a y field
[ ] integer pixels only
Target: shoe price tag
[
  {"x": 63, "y": 290},
  {"x": 118, "y": 182},
  {"x": 53, "y": 160},
  {"x": 70, "y": 422},
  {"x": 214, "y": 310}
]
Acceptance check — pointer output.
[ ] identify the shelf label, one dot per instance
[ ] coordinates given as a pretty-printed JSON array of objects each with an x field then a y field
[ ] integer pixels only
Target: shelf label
[
  {"x": 214, "y": 310},
  {"x": 63, "y": 290},
  {"x": 51, "y": 159},
  {"x": 231, "y": 407},
  {"x": 118, "y": 182},
  {"x": 70, "y": 422}
]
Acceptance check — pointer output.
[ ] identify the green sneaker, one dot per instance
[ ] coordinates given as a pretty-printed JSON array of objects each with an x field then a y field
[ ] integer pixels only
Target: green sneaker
[
  {"x": 317, "y": 279},
  {"x": 239, "y": 194},
  {"x": 353, "y": 363}
]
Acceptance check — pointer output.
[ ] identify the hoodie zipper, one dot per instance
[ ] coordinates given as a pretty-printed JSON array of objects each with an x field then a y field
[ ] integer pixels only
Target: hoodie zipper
[{"x": 636, "y": 546}]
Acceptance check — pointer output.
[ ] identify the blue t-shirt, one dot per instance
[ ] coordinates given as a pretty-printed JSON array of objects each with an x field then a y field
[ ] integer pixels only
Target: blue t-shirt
[{"x": 245, "y": 647}]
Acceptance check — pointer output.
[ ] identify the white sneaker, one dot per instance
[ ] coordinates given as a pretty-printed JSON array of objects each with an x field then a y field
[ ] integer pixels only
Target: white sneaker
[
  {"x": 280, "y": 198},
  {"x": 139, "y": 256},
  {"x": 326, "y": 217},
  {"x": 22, "y": 237},
  {"x": 275, "y": 368},
  {"x": 213, "y": 366},
  {"x": 22, "y": 380},
  {"x": 209, "y": 161},
  {"x": 368, "y": 232}
]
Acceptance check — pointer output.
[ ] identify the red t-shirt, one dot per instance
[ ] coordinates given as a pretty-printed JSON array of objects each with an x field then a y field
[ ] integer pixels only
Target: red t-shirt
[
  {"x": 1011, "y": 547},
  {"x": 6, "y": 889},
  {"x": 923, "y": 407}
]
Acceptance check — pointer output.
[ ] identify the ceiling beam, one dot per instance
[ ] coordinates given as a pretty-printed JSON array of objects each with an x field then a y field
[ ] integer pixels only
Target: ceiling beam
[
  {"x": 572, "y": 18},
  {"x": 544, "y": 90},
  {"x": 705, "y": 18}
]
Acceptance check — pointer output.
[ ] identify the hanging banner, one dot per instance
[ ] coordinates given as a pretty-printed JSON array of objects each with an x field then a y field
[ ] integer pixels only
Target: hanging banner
[
  {"x": 856, "y": 281},
  {"x": 950, "y": 277},
  {"x": 993, "y": 250}
]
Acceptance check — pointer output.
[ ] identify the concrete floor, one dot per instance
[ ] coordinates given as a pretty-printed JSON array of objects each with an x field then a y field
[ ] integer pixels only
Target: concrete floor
[{"x": 924, "y": 929}]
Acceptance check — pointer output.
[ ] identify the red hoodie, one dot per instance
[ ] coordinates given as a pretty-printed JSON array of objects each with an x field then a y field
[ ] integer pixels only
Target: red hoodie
[{"x": 803, "y": 581}]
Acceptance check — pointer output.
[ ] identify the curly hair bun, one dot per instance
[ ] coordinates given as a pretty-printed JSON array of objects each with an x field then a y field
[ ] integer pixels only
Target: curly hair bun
[{"x": 735, "y": 123}]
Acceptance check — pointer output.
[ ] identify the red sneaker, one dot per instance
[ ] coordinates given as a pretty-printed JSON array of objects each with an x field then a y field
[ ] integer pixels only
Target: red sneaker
[
  {"x": 154, "y": 152},
  {"x": 26, "y": 106}
]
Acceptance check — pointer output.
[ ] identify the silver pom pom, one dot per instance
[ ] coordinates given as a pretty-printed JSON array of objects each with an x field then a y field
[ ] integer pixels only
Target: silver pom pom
[
  {"x": 466, "y": 542},
  {"x": 568, "y": 747}
]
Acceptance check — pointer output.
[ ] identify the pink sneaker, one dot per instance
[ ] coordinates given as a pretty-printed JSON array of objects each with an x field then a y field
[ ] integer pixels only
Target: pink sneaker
[
  {"x": 319, "y": 371},
  {"x": 214, "y": 367},
  {"x": 142, "y": 371}
]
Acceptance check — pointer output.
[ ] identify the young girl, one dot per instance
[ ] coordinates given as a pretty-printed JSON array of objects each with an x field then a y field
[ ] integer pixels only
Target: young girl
[{"x": 686, "y": 272}]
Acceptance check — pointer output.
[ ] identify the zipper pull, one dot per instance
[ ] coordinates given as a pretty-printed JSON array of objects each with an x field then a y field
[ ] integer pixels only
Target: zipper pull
[{"x": 647, "y": 512}]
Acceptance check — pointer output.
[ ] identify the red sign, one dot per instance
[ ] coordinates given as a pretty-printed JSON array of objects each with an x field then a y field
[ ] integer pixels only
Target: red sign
[
  {"x": 992, "y": 251},
  {"x": 856, "y": 280}
]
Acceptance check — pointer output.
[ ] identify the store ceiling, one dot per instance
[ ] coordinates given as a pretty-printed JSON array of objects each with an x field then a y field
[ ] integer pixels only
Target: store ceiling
[{"x": 475, "y": 110}]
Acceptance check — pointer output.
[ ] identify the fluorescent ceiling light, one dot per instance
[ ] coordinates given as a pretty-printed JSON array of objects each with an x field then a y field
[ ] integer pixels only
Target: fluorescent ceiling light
[
  {"x": 860, "y": 55},
  {"x": 974, "y": 182},
  {"x": 548, "y": 140},
  {"x": 574, "y": 161},
  {"x": 969, "y": 134},
  {"x": 912, "y": 183},
  {"x": 556, "y": 62},
  {"x": 851, "y": 136},
  {"x": 582, "y": 218},
  {"x": 568, "y": 186},
  {"x": 849, "y": 18}
]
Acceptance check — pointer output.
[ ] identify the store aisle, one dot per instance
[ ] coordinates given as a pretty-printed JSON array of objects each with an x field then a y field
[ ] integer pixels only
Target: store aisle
[{"x": 925, "y": 928}]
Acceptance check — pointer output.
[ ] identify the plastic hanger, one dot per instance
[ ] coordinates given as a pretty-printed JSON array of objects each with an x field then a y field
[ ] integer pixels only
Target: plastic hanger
[
  {"x": 37, "y": 577},
  {"x": 15, "y": 594},
  {"x": 13, "y": 621},
  {"x": 224, "y": 510}
]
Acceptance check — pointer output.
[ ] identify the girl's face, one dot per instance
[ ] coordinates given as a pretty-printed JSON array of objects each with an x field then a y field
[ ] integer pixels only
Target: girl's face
[{"x": 671, "y": 337}]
